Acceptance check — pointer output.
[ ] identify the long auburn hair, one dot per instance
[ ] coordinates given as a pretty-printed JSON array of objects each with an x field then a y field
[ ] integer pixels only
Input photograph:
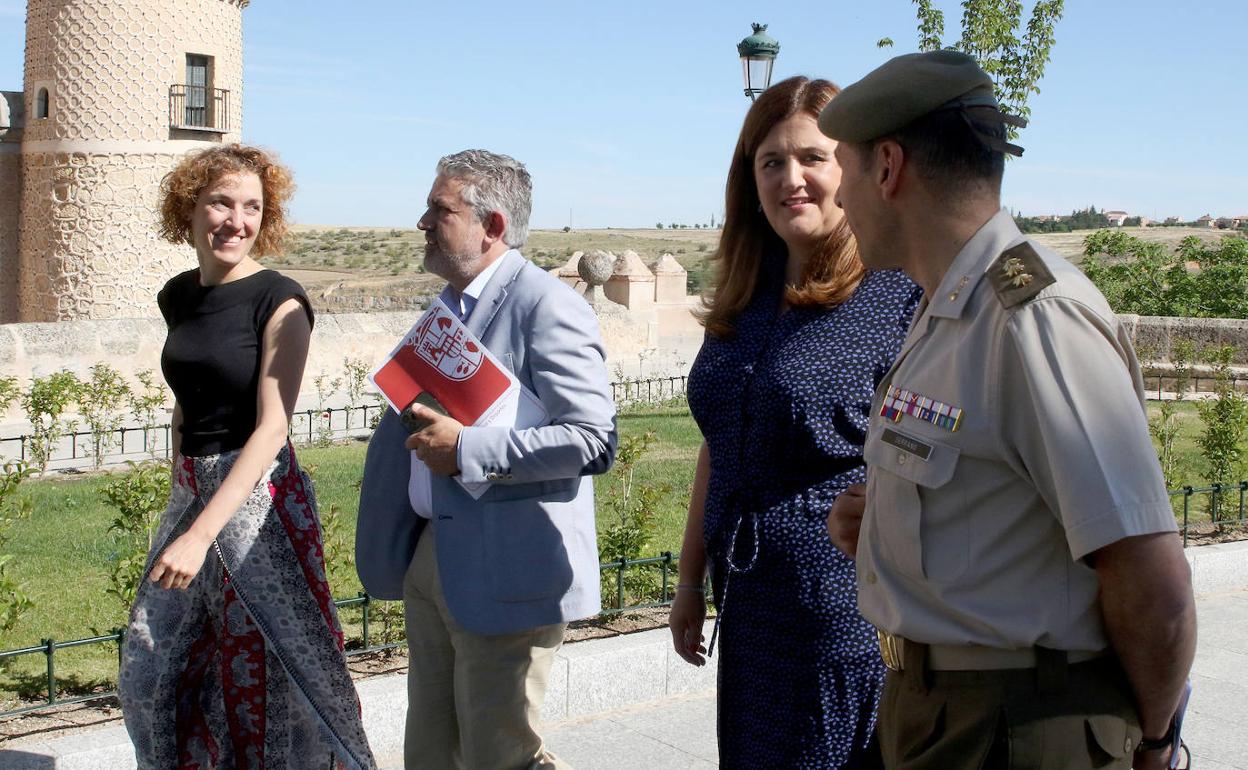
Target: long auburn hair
[{"x": 834, "y": 268}]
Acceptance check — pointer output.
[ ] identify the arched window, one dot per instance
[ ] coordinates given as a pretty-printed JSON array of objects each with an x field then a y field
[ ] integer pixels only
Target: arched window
[{"x": 41, "y": 103}]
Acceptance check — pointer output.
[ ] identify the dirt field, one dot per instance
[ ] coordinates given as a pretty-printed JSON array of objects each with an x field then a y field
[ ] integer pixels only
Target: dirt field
[
  {"x": 359, "y": 262},
  {"x": 1070, "y": 245}
]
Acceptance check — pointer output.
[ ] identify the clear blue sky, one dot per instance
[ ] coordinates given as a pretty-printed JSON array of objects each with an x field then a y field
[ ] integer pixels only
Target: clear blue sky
[{"x": 626, "y": 113}]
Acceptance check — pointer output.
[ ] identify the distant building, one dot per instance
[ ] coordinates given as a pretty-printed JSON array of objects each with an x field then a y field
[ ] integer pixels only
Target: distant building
[
  {"x": 1116, "y": 218},
  {"x": 114, "y": 94},
  {"x": 1173, "y": 221},
  {"x": 1205, "y": 221}
]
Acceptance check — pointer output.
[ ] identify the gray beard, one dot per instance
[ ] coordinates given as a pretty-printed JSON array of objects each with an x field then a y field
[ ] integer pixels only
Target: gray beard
[{"x": 455, "y": 268}]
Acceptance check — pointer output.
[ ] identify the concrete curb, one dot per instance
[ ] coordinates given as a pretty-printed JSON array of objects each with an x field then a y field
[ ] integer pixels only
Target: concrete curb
[
  {"x": 1219, "y": 567},
  {"x": 586, "y": 678}
]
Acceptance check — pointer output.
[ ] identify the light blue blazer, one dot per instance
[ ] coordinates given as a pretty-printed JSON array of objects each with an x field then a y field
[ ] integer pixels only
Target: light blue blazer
[{"x": 525, "y": 554}]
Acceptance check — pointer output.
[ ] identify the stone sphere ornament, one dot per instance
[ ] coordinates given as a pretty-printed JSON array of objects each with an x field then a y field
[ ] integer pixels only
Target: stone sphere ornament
[{"x": 595, "y": 267}]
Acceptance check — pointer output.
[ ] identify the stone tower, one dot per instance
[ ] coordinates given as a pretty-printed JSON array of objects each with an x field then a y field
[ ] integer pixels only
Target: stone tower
[{"x": 115, "y": 92}]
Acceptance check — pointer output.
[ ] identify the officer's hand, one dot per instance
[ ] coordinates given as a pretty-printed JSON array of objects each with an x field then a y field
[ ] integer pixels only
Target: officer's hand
[
  {"x": 846, "y": 517},
  {"x": 437, "y": 444}
]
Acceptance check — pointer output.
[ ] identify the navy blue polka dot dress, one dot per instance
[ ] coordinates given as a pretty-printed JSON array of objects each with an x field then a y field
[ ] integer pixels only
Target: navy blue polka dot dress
[{"x": 783, "y": 405}]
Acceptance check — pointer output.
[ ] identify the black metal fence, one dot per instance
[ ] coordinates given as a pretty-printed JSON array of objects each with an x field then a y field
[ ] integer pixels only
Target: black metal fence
[
  {"x": 48, "y": 647},
  {"x": 151, "y": 442},
  {"x": 74, "y": 449},
  {"x": 655, "y": 390},
  {"x": 307, "y": 426},
  {"x": 1162, "y": 383},
  {"x": 1223, "y": 505}
]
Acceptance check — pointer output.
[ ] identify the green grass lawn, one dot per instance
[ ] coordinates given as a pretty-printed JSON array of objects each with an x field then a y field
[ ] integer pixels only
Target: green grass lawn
[{"x": 62, "y": 552}]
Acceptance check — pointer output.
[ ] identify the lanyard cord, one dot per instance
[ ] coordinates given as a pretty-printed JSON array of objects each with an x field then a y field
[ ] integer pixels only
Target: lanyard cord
[{"x": 732, "y": 567}]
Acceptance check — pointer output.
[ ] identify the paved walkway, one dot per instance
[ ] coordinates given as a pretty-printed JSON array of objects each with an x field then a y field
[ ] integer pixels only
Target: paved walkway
[{"x": 680, "y": 732}]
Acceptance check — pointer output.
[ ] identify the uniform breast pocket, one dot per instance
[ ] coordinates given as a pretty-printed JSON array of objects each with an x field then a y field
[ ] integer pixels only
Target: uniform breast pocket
[{"x": 912, "y": 498}]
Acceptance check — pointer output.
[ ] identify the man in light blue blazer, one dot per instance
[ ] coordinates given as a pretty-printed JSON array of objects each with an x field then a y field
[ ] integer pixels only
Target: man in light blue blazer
[{"x": 490, "y": 584}]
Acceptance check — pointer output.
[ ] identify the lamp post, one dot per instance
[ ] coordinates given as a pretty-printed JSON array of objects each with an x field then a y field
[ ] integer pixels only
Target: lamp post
[{"x": 758, "y": 54}]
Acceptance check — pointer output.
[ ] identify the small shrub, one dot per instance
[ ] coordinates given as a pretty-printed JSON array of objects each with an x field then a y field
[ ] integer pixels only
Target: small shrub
[
  {"x": 13, "y": 599},
  {"x": 1165, "y": 426},
  {"x": 1225, "y": 418},
  {"x": 9, "y": 393},
  {"x": 630, "y": 509},
  {"x": 140, "y": 496},
  {"x": 45, "y": 403},
  {"x": 355, "y": 374},
  {"x": 146, "y": 403},
  {"x": 325, "y": 387},
  {"x": 100, "y": 400}
]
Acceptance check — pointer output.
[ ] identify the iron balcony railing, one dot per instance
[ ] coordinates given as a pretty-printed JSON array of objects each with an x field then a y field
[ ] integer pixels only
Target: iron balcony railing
[{"x": 199, "y": 108}]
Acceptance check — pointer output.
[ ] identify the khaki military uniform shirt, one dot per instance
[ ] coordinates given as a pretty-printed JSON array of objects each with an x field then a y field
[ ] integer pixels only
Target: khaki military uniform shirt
[{"x": 977, "y": 521}]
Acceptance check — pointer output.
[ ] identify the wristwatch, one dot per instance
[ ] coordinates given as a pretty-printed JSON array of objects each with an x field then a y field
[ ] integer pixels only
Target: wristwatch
[{"x": 1157, "y": 744}]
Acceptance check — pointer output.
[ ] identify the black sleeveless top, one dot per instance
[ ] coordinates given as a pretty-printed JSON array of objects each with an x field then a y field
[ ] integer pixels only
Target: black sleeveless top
[{"x": 211, "y": 357}]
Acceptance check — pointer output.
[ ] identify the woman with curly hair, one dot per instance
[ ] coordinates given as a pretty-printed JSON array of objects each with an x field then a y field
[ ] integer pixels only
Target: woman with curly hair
[
  {"x": 234, "y": 654},
  {"x": 798, "y": 334}
]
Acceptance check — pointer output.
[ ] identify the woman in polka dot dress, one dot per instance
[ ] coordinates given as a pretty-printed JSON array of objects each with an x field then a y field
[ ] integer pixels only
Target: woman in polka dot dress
[{"x": 798, "y": 336}]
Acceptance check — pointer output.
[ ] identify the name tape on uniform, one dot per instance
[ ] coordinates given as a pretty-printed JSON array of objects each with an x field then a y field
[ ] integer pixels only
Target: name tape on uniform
[
  {"x": 900, "y": 401},
  {"x": 907, "y": 443}
]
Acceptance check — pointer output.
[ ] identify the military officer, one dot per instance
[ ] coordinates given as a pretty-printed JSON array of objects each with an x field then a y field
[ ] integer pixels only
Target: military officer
[{"x": 1017, "y": 549}]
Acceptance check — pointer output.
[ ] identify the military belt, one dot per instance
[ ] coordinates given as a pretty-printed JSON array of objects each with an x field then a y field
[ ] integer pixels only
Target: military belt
[{"x": 969, "y": 657}]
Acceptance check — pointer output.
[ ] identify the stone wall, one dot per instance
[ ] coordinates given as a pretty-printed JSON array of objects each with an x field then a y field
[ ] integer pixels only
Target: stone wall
[
  {"x": 130, "y": 345},
  {"x": 1155, "y": 337},
  {"x": 10, "y": 206},
  {"x": 633, "y": 349}
]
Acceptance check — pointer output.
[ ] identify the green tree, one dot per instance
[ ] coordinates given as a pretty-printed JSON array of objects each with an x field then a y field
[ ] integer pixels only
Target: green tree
[
  {"x": 991, "y": 34},
  {"x": 1200, "y": 280}
]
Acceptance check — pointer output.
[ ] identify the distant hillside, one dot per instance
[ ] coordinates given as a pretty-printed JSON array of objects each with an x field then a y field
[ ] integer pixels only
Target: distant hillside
[{"x": 351, "y": 263}]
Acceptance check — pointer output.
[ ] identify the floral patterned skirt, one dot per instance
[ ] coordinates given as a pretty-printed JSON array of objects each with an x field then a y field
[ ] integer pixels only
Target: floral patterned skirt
[{"x": 244, "y": 668}]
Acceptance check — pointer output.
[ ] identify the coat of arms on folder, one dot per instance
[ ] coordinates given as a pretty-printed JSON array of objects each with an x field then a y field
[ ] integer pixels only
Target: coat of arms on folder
[
  {"x": 441, "y": 358},
  {"x": 442, "y": 365}
]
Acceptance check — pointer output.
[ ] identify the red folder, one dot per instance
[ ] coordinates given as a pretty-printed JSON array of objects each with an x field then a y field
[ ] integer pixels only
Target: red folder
[{"x": 439, "y": 356}]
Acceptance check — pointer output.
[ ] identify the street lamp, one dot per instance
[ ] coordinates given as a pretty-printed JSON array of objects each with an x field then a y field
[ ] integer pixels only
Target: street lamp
[{"x": 758, "y": 54}]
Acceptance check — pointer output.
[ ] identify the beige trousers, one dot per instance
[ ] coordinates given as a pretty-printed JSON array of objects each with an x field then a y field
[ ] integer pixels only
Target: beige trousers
[{"x": 472, "y": 700}]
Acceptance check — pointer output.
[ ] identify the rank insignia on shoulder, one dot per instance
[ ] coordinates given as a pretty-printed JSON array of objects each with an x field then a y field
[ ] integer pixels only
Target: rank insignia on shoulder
[{"x": 1018, "y": 275}]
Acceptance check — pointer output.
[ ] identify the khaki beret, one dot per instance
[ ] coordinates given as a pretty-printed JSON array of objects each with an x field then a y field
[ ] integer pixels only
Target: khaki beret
[{"x": 908, "y": 87}]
